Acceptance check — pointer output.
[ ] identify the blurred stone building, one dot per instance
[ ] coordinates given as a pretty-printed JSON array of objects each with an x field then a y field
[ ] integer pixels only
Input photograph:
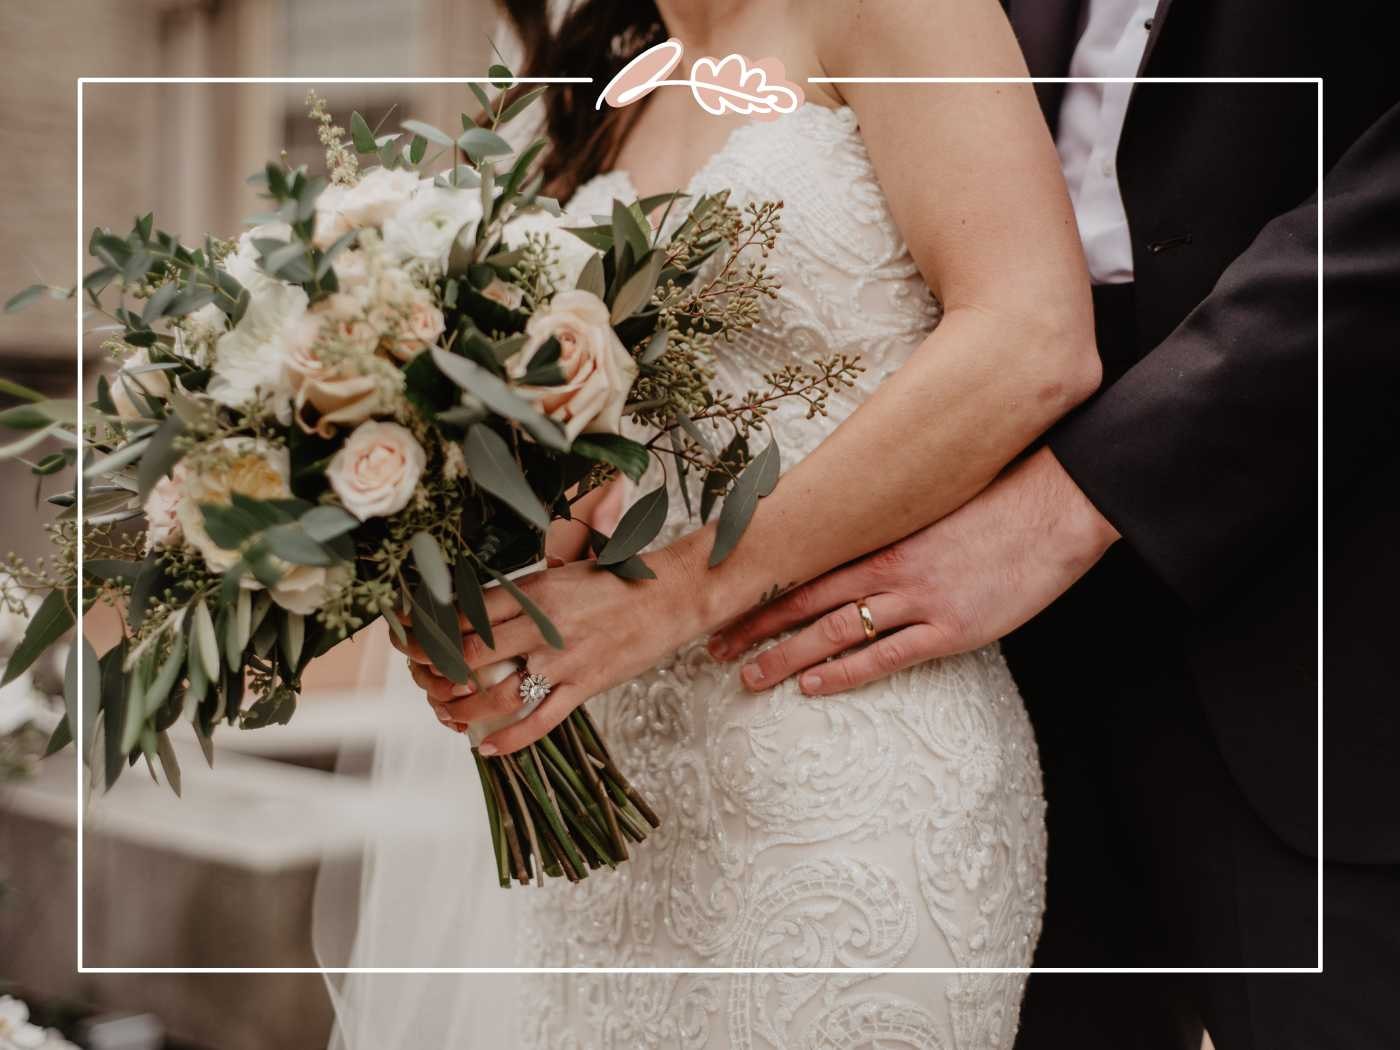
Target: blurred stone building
[{"x": 168, "y": 883}]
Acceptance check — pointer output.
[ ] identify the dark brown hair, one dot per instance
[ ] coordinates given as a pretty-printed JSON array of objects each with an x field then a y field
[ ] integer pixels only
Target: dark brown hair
[{"x": 596, "y": 38}]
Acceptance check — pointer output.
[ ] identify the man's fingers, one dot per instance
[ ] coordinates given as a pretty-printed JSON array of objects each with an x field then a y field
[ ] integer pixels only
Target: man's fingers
[
  {"x": 880, "y": 659},
  {"x": 540, "y": 721},
  {"x": 806, "y": 603},
  {"x": 834, "y": 633}
]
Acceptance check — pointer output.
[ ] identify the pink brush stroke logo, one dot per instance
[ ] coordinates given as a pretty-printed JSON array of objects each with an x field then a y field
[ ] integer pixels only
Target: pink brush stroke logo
[{"x": 731, "y": 84}]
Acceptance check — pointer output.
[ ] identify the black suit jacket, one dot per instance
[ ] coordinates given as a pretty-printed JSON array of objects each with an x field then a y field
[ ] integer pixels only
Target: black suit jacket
[{"x": 1202, "y": 445}]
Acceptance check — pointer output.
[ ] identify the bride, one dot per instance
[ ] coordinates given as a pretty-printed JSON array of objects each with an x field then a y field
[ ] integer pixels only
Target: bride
[{"x": 927, "y": 229}]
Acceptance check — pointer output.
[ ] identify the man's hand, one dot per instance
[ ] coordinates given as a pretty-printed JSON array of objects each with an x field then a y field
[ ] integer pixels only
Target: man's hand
[{"x": 958, "y": 584}]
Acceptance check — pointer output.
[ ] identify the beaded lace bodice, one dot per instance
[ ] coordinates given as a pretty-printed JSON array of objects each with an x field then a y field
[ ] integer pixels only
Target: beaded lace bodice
[{"x": 900, "y": 825}]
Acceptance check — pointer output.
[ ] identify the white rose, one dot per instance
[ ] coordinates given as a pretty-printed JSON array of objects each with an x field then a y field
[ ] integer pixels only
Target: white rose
[
  {"x": 163, "y": 509},
  {"x": 376, "y": 471},
  {"x": 128, "y": 385},
  {"x": 425, "y": 227},
  {"x": 304, "y": 588},
  {"x": 568, "y": 254},
  {"x": 369, "y": 202},
  {"x": 251, "y": 468},
  {"x": 598, "y": 370}
]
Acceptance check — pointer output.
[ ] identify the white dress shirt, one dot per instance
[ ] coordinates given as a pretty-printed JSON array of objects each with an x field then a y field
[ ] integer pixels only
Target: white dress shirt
[{"x": 1091, "y": 123}]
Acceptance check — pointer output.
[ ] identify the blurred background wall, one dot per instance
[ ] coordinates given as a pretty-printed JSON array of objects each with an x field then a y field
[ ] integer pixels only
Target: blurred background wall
[{"x": 224, "y": 876}]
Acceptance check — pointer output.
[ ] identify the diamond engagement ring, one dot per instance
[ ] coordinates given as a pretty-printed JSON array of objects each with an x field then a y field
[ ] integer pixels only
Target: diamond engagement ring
[{"x": 534, "y": 688}]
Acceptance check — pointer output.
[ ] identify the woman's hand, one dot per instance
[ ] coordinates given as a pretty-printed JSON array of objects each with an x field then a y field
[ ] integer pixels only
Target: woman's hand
[
  {"x": 566, "y": 542},
  {"x": 613, "y": 630}
]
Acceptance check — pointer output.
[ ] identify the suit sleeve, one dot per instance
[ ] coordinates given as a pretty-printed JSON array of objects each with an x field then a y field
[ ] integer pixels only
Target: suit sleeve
[{"x": 1207, "y": 448}]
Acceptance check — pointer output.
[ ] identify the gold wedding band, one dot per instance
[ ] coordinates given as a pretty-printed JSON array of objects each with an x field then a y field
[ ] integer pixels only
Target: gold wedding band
[{"x": 866, "y": 621}]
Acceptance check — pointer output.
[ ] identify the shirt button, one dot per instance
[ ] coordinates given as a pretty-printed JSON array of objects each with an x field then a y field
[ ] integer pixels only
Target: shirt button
[
  {"x": 1106, "y": 166},
  {"x": 1148, "y": 24}
]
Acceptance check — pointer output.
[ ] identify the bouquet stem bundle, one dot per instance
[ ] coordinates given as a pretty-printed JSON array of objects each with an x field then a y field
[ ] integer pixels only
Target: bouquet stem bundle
[{"x": 561, "y": 807}]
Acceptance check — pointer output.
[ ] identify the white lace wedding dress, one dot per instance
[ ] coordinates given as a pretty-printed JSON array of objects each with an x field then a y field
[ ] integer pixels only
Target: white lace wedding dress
[{"x": 898, "y": 826}]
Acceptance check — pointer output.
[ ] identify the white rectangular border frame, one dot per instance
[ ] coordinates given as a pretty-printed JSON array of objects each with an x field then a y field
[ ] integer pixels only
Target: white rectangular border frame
[{"x": 80, "y": 251}]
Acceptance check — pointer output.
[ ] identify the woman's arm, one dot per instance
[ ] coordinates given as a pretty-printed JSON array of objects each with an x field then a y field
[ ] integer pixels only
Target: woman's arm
[{"x": 974, "y": 184}]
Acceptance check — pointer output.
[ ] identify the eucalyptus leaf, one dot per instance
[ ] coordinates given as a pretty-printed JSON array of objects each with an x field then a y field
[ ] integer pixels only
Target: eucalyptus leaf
[
  {"x": 717, "y": 479},
  {"x": 491, "y": 466},
  {"x": 361, "y": 134},
  {"x": 637, "y": 290},
  {"x": 759, "y": 478},
  {"x": 432, "y": 134},
  {"x": 432, "y": 566},
  {"x": 207, "y": 642},
  {"x": 547, "y": 629},
  {"x": 168, "y": 762},
  {"x": 630, "y": 457},
  {"x": 638, "y": 527},
  {"x": 293, "y": 637},
  {"x": 439, "y": 636},
  {"x": 161, "y": 455},
  {"x": 591, "y": 279},
  {"x": 326, "y": 522},
  {"x": 498, "y": 396},
  {"x": 291, "y": 543},
  {"x": 477, "y": 143},
  {"x": 627, "y": 230},
  {"x": 49, "y": 623},
  {"x": 471, "y": 600}
]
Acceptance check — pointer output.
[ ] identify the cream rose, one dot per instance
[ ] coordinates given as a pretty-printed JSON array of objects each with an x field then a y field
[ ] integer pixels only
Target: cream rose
[
  {"x": 413, "y": 324},
  {"x": 598, "y": 370},
  {"x": 247, "y": 466},
  {"x": 376, "y": 471},
  {"x": 128, "y": 385}
]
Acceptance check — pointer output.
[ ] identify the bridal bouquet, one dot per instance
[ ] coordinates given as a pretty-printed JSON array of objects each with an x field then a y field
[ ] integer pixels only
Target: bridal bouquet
[{"x": 374, "y": 403}]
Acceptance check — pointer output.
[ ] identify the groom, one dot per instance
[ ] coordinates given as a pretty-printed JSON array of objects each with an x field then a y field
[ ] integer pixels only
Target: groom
[{"x": 1154, "y": 559}]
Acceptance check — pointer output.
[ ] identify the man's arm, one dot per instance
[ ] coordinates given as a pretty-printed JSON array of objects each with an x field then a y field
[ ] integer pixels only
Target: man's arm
[
  {"x": 1208, "y": 446},
  {"x": 1197, "y": 455}
]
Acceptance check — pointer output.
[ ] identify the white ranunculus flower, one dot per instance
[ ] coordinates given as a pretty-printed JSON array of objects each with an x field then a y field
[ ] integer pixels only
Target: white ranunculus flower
[
  {"x": 377, "y": 469},
  {"x": 251, "y": 468},
  {"x": 423, "y": 229},
  {"x": 248, "y": 361},
  {"x": 598, "y": 370},
  {"x": 369, "y": 202},
  {"x": 128, "y": 384},
  {"x": 569, "y": 255}
]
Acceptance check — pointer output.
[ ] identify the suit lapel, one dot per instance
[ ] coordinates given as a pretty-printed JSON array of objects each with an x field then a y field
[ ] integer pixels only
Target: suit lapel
[{"x": 1158, "y": 20}]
